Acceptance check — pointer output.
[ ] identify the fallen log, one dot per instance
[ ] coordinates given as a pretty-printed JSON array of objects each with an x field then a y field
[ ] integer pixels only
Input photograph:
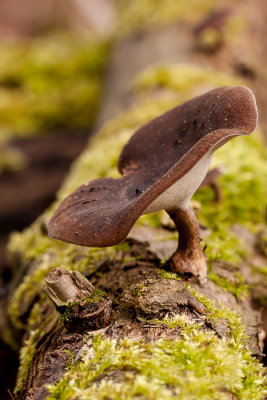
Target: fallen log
[{"x": 166, "y": 337}]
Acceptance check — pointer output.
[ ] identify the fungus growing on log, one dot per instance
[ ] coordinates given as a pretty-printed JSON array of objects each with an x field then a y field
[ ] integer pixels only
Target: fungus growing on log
[{"x": 162, "y": 165}]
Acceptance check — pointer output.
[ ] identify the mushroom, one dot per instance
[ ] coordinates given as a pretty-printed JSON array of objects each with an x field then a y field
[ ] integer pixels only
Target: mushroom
[{"x": 162, "y": 165}]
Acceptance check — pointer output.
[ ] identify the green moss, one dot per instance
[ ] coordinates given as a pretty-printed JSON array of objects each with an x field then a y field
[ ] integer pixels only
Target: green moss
[
  {"x": 244, "y": 180},
  {"x": 65, "y": 315},
  {"x": 238, "y": 288},
  {"x": 136, "y": 289},
  {"x": 153, "y": 219},
  {"x": 237, "y": 331},
  {"x": 38, "y": 327},
  {"x": 70, "y": 360},
  {"x": 96, "y": 296},
  {"x": 11, "y": 159},
  {"x": 26, "y": 356},
  {"x": 178, "y": 321},
  {"x": 123, "y": 247},
  {"x": 138, "y": 15},
  {"x": 185, "y": 78},
  {"x": 36, "y": 331},
  {"x": 168, "y": 275},
  {"x": 199, "y": 366},
  {"x": 49, "y": 83},
  {"x": 213, "y": 313}
]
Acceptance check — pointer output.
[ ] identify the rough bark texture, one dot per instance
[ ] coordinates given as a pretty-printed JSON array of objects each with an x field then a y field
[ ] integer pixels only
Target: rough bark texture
[{"x": 150, "y": 307}]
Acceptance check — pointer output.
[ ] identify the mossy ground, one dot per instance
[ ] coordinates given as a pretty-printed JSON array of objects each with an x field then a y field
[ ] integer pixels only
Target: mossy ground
[{"x": 207, "y": 365}]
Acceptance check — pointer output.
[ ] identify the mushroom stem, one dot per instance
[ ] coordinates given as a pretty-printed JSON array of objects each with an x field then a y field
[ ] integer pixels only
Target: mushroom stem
[{"x": 189, "y": 257}]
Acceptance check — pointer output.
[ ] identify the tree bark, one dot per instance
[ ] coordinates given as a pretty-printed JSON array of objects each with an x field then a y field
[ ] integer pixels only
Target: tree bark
[{"x": 152, "y": 311}]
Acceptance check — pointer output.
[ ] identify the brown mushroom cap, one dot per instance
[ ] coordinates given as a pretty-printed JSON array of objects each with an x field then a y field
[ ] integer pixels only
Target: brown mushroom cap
[{"x": 101, "y": 212}]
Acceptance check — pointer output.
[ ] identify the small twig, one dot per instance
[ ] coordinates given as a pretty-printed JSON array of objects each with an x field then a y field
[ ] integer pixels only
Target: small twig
[{"x": 10, "y": 394}]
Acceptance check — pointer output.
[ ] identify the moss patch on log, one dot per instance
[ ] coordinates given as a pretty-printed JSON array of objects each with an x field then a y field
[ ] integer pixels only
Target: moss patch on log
[
  {"x": 201, "y": 365},
  {"x": 183, "y": 78},
  {"x": 37, "y": 329},
  {"x": 239, "y": 288},
  {"x": 139, "y": 15}
]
